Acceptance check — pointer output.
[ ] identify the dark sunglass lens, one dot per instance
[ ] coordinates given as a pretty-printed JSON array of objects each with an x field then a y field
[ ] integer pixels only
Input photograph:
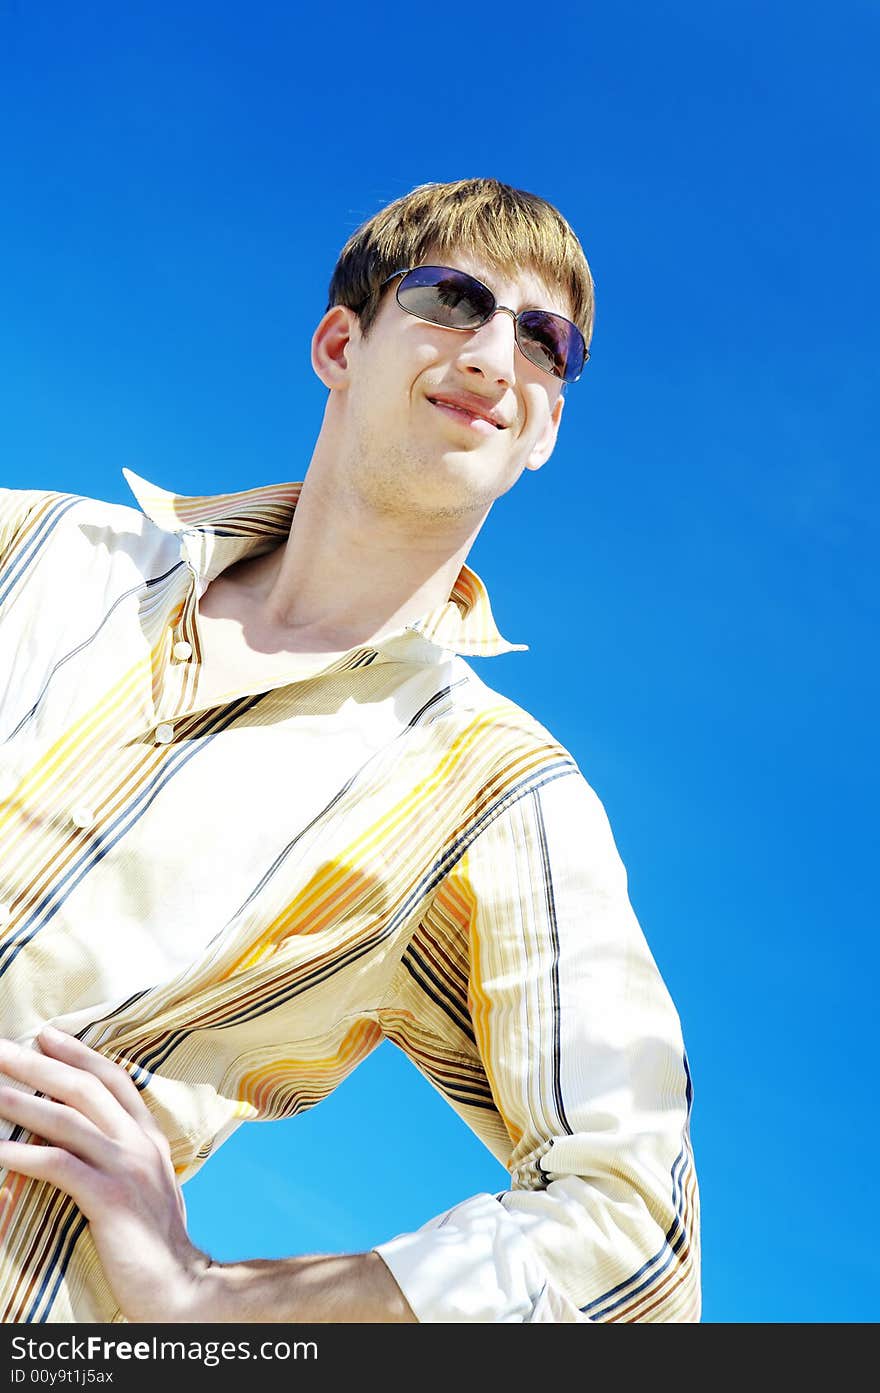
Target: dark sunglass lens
[
  {"x": 552, "y": 343},
  {"x": 446, "y": 297}
]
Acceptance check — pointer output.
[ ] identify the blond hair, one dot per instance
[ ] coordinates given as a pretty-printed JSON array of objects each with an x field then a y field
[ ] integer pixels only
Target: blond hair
[{"x": 510, "y": 229}]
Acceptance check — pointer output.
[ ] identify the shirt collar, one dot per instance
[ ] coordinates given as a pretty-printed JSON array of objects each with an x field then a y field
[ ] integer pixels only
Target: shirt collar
[{"x": 217, "y": 530}]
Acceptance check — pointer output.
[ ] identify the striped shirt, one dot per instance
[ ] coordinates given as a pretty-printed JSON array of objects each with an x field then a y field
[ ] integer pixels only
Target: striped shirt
[{"x": 237, "y": 902}]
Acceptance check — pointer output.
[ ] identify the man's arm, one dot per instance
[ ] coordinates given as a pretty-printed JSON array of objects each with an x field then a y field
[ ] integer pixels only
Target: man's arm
[
  {"x": 105, "y": 1150},
  {"x": 347, "y": 1287},
  {"x": 583, "y": 1053}
]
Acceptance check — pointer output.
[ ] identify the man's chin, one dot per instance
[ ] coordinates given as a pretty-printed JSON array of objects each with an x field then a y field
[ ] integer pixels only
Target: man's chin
[{"x": 454, "y": 480}]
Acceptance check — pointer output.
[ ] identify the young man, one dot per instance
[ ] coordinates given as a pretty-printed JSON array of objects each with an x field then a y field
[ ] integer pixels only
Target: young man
[{"x": 258, "y": 813}]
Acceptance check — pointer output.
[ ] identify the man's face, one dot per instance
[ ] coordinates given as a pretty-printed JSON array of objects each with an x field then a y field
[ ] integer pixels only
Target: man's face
[{"x": 416, "y": 397}]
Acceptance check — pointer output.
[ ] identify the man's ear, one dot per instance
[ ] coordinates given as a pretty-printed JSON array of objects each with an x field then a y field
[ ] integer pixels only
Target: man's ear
[
  {"x": 544, "y": 446},
  {"x": 330, "y": 344}
]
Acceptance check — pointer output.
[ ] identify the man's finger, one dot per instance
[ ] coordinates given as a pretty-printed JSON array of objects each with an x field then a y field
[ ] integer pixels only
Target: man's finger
[
  {"x": 49, "y": 1163},
  {"x": 78, "y": 1088},
  {"x": 68, "y": 1049},
  {"x": 54, "y": 1122}
]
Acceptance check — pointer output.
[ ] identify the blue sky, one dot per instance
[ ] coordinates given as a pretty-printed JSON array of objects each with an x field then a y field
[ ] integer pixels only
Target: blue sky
[{"x": 695, "y": 570}]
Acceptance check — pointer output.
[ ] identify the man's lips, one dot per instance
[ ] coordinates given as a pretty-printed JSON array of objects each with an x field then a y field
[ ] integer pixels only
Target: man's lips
[{"x": 470, "y": 410}]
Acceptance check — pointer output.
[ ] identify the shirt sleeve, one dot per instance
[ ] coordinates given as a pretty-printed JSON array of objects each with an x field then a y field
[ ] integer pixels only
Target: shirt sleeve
[
  {"x": 583, "y": 1051},
  {"x": 22, "y": 513}
]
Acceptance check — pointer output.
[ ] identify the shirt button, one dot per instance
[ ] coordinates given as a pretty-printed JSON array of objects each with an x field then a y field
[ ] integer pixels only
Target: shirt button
[
  {"x": 164, "y": 734},
  {"x": 5, "y": 914},
  {"x": 182, "y": 650},
  {"x": 82, "y": 817}
]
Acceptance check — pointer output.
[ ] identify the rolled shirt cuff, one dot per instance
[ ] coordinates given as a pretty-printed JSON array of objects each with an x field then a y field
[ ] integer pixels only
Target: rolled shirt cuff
[{"x": 472, "y": 1264}]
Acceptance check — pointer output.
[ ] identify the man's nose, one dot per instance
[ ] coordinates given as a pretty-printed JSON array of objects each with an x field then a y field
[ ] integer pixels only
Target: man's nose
[{"x": 491, "y": 349}]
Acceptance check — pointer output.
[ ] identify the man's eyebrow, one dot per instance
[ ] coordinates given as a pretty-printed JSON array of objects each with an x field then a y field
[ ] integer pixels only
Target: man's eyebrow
[
  {"x": 544, "y": 300},
  {"x": 555, "y": 300},
  {"x": 488, "y": 274},
  {"x": 550, "y": 296}
]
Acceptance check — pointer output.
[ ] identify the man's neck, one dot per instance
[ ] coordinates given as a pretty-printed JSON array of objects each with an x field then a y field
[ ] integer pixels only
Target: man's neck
[{"x": 347, "y": 574}]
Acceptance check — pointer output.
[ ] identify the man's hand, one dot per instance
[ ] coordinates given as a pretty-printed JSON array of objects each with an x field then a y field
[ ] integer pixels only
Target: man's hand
[{"x": 105, "y": 1151}]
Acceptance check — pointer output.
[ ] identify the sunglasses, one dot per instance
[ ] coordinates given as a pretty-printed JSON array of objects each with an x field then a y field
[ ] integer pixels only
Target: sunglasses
[{"x": 455, "y": 300}]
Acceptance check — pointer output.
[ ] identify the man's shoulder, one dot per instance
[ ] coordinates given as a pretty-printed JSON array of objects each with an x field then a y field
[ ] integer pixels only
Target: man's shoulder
[
  {"x": 26, "y": 502},
  {"x": 58, "y": 510},
  {"x": 504, "y": 716},
  {"x": 44, "y": 532},
  {"x": 520, "y": 755}
]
